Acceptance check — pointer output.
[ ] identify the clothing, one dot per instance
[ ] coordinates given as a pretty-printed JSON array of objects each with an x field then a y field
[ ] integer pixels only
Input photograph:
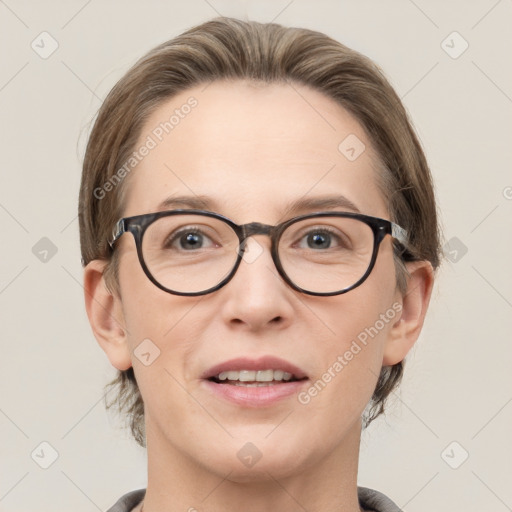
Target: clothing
[{"x": 370, "y": 500}]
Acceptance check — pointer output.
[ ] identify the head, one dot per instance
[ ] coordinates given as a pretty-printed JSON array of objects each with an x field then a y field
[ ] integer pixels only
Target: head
[{"x": 254, "y": 117}]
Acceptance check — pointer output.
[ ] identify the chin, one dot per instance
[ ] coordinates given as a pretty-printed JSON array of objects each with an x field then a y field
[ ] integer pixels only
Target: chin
[{"x": 249, "y": 464}]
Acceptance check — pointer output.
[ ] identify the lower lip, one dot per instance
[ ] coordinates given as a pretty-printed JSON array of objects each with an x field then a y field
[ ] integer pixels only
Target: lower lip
[{"x": 259, "y": 396}]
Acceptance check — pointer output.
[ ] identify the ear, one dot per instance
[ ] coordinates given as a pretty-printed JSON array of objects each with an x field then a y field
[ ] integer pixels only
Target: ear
[
  {"x": 105, "y": 313},
  {"x": 406, "y": 330}
]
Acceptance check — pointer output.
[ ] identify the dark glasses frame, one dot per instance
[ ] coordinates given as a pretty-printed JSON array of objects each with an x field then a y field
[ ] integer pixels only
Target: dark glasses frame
[{"x": 138, "y": 224}]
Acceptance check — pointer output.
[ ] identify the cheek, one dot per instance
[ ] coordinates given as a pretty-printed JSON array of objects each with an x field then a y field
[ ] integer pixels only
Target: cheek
[
  {"x": 147, "y": 309},
  {"x": 162, "y": 339},
  {"x": 359, "y": 323},
  {"x": 344, "y": 383},
  {"x": 363, "y": 314},
  {"x": 156, "y": 321}
]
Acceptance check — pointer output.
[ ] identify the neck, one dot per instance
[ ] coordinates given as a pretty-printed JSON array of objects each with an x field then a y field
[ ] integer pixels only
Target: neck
[{"x": 178, "y": 482}]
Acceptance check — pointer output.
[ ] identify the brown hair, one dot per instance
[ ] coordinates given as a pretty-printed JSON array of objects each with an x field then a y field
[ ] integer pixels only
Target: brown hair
[{"x": 230, "y": 49}]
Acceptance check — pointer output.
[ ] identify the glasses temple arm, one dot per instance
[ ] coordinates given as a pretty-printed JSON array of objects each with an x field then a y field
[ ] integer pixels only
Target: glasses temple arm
[
  {"x": 400, "y": 234},
  {"x": 118, "y": 230}
]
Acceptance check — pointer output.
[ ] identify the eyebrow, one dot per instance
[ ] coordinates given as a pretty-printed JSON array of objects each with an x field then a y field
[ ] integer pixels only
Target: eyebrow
[
  {"x": 320, "y": 203},
  {"x": 293, "y": 208},
  {"x": 195, "y": 202}
]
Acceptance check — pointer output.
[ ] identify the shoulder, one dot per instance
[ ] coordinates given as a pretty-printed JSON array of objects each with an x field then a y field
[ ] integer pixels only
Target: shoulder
[
  {"x": 375, "y": 501},
  {"x": 127, "y": 502}
]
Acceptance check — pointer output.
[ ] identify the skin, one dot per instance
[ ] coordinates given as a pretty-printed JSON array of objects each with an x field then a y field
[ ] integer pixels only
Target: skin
[{"x": 267, "y": 145}]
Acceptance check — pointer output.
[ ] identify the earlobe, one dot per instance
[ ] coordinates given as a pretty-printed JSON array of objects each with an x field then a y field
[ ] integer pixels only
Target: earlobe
[
  {"x": 406, "y": 330},
  {"x": 106, "y": 316}
]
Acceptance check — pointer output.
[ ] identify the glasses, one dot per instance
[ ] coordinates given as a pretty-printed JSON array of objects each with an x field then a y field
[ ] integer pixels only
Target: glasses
[{"x": 196, "y": 252}]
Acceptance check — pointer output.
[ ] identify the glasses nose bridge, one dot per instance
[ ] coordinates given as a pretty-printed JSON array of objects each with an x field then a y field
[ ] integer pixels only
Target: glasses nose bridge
[{"x": 256, "y": 228}]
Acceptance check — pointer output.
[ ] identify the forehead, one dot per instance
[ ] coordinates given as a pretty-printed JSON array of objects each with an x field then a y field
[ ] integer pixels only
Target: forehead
[{"x": 253, "y": 149}]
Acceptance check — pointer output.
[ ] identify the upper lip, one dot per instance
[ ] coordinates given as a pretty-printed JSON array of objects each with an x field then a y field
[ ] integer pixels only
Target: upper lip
[{"x": 262, "y": 363}]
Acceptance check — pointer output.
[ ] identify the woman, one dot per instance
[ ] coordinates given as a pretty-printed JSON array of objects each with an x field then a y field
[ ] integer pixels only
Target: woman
[{"x": 259, "y": 234}]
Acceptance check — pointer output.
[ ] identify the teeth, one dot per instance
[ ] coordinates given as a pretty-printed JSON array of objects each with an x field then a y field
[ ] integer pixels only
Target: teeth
[
  {"x": 255, "y": 376},
  {"x": 254, "y": 384},
  {"x": 265, "y": 375},
  {"x": 246, "y": 376},
  {"x": 278, "y": 374}
]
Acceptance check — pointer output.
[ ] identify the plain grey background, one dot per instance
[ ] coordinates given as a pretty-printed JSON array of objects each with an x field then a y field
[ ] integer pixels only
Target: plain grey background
[{"x": 444, "y": 444}]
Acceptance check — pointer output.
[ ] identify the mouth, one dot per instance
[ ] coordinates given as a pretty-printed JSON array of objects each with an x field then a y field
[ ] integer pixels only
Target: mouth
[
  {"x": 254, "y": 378},
  {"x": 254, "y": 382}
]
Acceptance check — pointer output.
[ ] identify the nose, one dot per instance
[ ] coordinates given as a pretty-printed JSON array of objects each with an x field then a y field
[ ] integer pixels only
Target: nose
[{"x": 257, "y": 297}]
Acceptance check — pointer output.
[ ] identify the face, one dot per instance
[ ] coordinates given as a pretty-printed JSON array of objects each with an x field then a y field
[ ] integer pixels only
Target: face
[{"x": 252, "y": 150}]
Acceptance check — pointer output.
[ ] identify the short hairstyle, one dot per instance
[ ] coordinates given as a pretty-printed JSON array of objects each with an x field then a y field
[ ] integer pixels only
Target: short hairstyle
[{"x": 231, "y": 49}]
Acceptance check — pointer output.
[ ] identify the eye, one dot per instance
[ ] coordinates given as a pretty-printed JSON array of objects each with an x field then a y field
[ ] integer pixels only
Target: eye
[
  {"x": 321, "y": 238},
  {"x": 188, "y": 239}
]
